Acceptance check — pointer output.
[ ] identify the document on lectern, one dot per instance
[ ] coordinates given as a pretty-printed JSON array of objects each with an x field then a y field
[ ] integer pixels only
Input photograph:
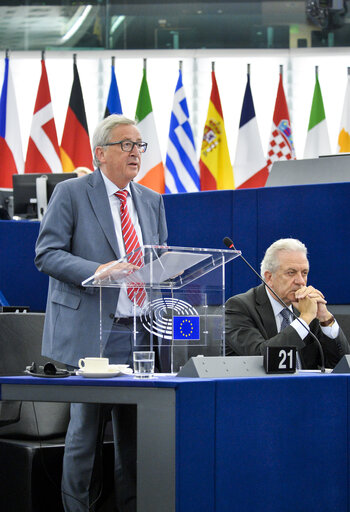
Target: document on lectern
[
  {"x": 162, "y": 265},
  {"x": 168, "y": 266}
]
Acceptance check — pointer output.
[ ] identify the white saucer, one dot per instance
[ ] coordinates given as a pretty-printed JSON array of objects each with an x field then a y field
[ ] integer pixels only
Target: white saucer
[
  {"x": 114, "y": 370},
  {"x": 119, "y": 367}
]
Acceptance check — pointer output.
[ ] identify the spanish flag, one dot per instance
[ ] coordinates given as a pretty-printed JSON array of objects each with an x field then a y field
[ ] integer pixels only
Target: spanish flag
[
  {"x": 216, "y": 171},
  {"x": 75, "y": 149}
]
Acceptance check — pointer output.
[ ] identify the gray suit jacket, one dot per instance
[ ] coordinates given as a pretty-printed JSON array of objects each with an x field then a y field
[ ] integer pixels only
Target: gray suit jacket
[
  {"x": 76, "y": 236},
  {"x": 251, "y": 327}
]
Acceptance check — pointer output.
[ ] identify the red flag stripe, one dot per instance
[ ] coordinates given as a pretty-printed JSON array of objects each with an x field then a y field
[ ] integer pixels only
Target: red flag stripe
[{"x": 214, "y": 97}]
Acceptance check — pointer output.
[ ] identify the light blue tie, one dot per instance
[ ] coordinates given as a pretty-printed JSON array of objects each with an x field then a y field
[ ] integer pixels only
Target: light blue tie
[{"x": 286, "y": 320}]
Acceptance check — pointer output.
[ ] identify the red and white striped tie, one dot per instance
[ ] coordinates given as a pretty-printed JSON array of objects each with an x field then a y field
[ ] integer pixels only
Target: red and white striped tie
[{"x": 131, "y": 243}]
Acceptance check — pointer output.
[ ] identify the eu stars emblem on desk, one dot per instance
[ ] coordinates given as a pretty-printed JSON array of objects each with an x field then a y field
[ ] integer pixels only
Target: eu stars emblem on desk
[{"x": 186, "y": 328}]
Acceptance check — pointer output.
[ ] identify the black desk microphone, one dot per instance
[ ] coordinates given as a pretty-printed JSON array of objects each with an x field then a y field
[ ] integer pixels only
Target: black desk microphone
[{"x": 228, "y": 242}]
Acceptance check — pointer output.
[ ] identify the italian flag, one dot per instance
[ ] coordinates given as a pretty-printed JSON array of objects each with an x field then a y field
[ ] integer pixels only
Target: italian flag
[
  {"x": 317, "y": 139},
  {"x": 151, "y": 173}
]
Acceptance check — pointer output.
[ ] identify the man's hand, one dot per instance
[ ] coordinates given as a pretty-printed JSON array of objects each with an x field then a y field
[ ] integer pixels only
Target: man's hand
[
  {"x": 313, "y": 294},
  {"x": 310, "y": 291},
  {"x": 113, "y": 270},
  {"x": 307, "y": 307}
]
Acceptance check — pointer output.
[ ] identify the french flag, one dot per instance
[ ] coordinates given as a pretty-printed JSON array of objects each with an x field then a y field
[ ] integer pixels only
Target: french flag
[
  {"x": 250, "y": 168},
  {"x": 11, "y": 154}
]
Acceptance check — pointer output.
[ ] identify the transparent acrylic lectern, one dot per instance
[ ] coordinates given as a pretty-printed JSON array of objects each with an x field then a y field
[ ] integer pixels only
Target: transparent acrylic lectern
[{"x": 182, "y": 304}]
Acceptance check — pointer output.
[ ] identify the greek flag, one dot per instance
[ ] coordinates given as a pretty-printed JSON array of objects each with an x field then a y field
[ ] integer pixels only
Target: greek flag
[{"x": 182, "y": 169}]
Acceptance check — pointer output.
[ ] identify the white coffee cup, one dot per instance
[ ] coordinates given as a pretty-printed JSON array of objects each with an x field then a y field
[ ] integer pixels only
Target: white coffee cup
[{"x": 94, "y": 364}]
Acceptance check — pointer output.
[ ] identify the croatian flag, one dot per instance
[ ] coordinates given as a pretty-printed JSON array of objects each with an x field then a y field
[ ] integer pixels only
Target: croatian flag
[
  {"x": 281, "y": 145},
  {"x": 11, "y": 154}
]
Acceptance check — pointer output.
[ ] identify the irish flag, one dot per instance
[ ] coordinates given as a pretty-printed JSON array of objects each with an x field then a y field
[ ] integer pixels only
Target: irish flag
[
  {"x": 151, "y": 173},
  {"x": 317, "y": 139}
]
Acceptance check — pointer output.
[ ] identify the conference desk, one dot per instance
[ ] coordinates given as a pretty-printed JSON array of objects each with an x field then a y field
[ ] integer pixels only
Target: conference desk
[{"x": 268, "y": 444}]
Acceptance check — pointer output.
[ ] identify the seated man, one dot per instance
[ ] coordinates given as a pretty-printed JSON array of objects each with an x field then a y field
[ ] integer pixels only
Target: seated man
[{"x": 257, "y": 319}]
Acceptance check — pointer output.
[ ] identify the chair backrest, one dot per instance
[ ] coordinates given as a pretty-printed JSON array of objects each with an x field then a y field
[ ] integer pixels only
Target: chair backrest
[
  {"x": 20, "y": 345},
  {"x": 344, "y": 322}
]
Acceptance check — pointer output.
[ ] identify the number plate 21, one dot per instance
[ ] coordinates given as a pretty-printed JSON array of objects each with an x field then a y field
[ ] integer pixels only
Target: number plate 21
[{"x": 280, "y": 360}]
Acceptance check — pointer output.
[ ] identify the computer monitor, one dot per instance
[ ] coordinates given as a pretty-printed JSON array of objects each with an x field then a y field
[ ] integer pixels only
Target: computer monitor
[{"x": 27, "y": 195}]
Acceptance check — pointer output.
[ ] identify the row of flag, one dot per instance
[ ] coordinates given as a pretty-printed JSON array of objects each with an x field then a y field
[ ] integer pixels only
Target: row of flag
[{"x": 182, "y": 171}]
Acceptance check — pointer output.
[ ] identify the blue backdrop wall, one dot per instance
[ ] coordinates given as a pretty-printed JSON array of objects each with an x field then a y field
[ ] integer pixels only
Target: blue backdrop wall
[{"x": 316, "y": 214}]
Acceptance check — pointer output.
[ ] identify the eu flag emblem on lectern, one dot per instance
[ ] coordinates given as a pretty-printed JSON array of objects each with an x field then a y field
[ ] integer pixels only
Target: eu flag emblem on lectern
[{"x": 186, "y": 328}]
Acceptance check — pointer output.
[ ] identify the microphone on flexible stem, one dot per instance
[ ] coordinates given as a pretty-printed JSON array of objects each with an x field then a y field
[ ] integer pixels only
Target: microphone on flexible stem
[{"x": 228, "y": 242}]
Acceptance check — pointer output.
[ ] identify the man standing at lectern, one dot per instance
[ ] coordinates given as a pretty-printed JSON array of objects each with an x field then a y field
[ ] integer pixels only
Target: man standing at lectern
[
  {"x": 257, "y": 319},
  {"x": 81, "y": 233}
]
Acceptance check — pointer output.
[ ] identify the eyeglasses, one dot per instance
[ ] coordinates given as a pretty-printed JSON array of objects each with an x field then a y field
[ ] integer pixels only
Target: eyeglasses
[{"x": 128, "y": 145}]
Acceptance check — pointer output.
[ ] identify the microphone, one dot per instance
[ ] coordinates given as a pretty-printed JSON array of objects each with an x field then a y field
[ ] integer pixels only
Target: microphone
[{"x": 228, "y": 242}]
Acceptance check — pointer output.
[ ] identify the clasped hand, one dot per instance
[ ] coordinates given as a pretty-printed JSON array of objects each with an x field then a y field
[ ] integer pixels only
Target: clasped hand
[{"x": 311, "y": 304}]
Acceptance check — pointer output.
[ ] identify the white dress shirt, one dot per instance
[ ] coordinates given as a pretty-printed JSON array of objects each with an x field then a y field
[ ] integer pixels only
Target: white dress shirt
[{"x": 125, "y": 307}]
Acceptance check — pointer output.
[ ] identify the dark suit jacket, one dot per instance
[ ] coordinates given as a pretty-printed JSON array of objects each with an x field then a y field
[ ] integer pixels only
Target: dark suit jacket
[
  {"x": 251, "y": 327},
  {"x": 77, "y": 235}
]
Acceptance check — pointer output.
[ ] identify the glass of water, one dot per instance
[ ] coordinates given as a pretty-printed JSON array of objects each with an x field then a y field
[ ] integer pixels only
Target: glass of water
[{"x": 143, "y": 364}]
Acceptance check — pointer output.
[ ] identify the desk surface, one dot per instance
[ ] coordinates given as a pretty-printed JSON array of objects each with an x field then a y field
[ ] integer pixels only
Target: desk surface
[{"x": 159, "y": 380}]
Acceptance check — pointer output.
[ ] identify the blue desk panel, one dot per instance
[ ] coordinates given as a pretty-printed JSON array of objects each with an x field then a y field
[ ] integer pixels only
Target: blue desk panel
[
  {"x": 282, "y": 444},
  {"x": 195, "y": 447},
  {"x": 20, "y": 281},
  {"x": 318, "y": 215}
]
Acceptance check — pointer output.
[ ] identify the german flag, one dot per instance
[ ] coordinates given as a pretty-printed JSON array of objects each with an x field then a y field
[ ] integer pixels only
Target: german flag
[{"x": 75, "y": 149}]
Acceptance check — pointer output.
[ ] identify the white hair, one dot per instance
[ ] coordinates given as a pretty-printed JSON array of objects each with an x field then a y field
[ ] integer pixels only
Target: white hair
[
  {"x": 271, "y": 262},
  {"x": 102, "y": 132}
]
